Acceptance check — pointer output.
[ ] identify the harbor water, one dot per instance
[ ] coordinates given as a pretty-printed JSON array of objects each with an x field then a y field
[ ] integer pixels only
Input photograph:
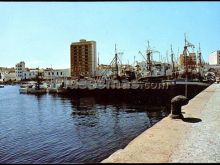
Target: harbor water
[{"x": 56, "y": 129}]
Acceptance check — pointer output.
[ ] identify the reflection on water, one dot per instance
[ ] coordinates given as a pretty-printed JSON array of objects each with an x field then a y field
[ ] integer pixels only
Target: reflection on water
[{"x": 54, "y": 129}]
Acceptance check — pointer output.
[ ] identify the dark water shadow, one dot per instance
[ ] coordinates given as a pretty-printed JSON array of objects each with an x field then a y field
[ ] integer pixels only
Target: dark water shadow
[{"x": 191, "y": 120}]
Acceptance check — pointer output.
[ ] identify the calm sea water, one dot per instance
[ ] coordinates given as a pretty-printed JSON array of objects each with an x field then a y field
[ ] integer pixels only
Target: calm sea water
[{"x": 54, "y": 129}]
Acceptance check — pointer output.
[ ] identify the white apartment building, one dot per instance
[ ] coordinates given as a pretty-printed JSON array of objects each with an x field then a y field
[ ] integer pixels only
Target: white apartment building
[
  {"x": 56, "y": 73},
  {"x": 214, "y": 58},
  {"x": 21, "y": 73},
  {"x": 19, "y": 69}
]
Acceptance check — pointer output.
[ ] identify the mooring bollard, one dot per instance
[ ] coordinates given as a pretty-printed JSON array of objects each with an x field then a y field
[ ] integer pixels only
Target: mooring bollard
[{"x": 176, "y": 104}]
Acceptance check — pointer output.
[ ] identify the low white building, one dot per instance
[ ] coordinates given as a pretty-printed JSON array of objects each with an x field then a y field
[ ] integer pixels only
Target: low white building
[
  {"x": 29, "y": 74},
  {"x": 50, "y": 73},
  {"x": 4, "y": 76},
  {"x": 214, "y": 58}
]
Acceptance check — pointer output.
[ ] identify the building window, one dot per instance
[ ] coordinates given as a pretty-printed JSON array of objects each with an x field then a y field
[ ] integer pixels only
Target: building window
[
  {"x": 52, "y": 73},
  {"x": 49, "y": 73},
  {"x": 57, "y": 74},
  {"x": 61, "y": 73}
]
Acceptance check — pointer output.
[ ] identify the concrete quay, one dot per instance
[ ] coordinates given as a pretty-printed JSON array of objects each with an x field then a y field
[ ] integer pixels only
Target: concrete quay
[{"x": 193, "y": 139}]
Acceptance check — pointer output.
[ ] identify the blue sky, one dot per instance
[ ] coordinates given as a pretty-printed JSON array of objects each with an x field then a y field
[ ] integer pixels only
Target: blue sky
[{"x": 40, "y": 33}]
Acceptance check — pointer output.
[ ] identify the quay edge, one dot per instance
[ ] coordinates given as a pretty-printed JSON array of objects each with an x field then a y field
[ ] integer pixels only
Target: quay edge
[{"x": 191, "y": 139}]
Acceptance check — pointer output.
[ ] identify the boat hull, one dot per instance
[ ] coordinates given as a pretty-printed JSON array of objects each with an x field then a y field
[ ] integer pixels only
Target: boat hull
[
  {"x": 23, "y": 90},
  {"x": 36, "y": 91}
]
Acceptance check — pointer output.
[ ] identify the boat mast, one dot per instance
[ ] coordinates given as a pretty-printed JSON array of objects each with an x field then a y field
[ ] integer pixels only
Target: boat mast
[
  {"x": 185, "y": 65},
  {"x": 185, "y": 51},
  {"x": 98, "y": 59},
  {"x": 114, "y": 64},
  {"x": 199, "y": 57},
  {"x": 149, "y": 53},
  {"x": 51, "y": 78},
  {"x": 173, "y": 67},
  {"x": 167, "y": 59},
  {"x": 116, "y": 61},
  {"x": 38, "y": 79},
  {"x": 149, "y": 63},
  {"x": 98, "y": 66}
]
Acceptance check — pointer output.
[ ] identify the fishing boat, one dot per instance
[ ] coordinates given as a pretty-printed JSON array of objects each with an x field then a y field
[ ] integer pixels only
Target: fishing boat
[
  {"x": 24, "y": 88},
  {"x": 36, "y": 88},
  {"x": 153, "y": 71}
]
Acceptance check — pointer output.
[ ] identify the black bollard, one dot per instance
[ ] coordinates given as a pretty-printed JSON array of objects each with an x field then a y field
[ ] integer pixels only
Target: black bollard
[{"x": 176, "y": 104}]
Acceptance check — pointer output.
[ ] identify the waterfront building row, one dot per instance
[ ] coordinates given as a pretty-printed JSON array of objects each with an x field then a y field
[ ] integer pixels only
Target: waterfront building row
[{"x": 21, "y": 73}]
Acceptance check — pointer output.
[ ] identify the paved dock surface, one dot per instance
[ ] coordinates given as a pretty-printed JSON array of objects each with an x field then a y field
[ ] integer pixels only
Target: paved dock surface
[{"x": 194, "y": 139}]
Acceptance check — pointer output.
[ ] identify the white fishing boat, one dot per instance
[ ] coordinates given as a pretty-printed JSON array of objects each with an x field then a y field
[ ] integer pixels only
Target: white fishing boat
[
  {"x": 52, "y": 88},
  {"x": 25, "y": 87},
  {"x": 32, "y": 89},
  {"x": 29, "y": 84},
  {"x": 23, "y": 90}
]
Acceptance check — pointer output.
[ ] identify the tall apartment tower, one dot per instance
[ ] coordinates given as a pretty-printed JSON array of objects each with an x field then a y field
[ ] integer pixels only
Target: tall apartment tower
[{"x": 83, "y": 58}]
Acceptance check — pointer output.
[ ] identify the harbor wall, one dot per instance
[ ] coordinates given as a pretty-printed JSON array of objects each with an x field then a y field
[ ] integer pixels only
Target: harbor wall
[
  {"x": 157, "y": 96},
  {"x": 179, "y": 140}
]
